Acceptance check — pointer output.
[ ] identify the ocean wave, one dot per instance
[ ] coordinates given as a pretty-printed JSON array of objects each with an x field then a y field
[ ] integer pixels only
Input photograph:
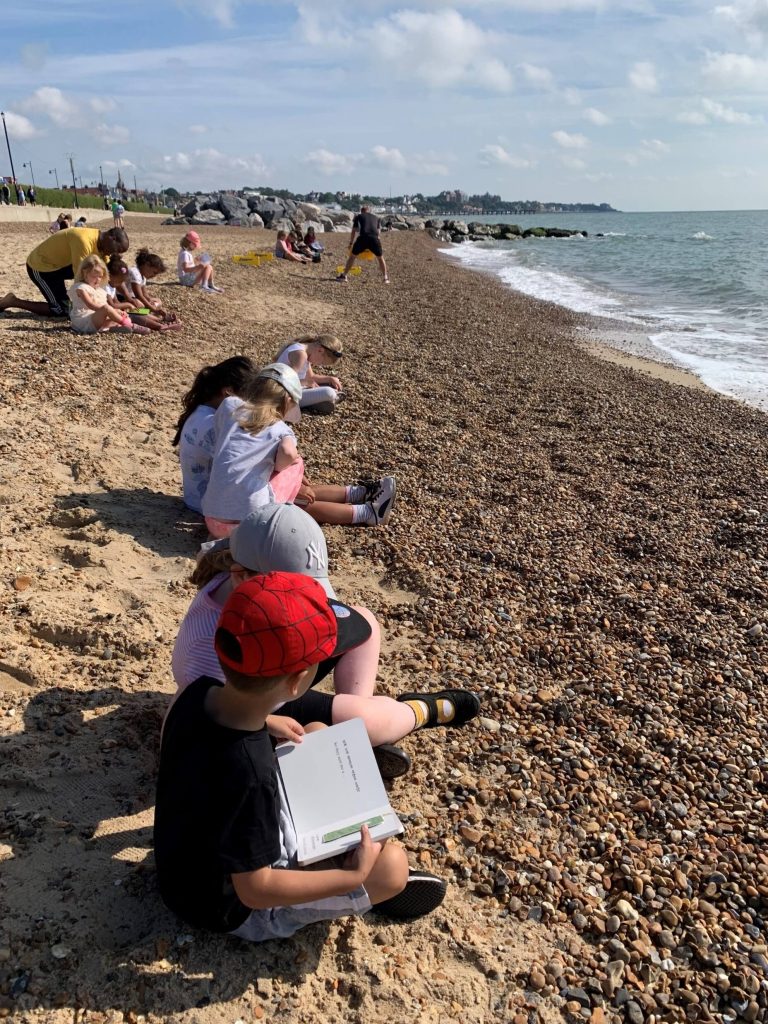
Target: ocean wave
[
  {"x": 614, "y": 234},
  {"x": 702, "y": 236}
]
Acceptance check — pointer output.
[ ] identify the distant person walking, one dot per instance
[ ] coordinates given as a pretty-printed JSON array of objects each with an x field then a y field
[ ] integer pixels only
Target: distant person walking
[
  {"x": 57, "y": 260},
  {"x": 32, "y": 196},
  {"x": 365, "y": 238},
  {"x": 117, "y": 214},
  {"x": 21, "y": 199},
  {"x": 5, "y": 192}
]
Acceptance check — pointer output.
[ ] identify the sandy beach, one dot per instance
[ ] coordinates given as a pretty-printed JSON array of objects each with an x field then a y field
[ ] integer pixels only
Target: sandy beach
[{"x": 582, "y": 544}]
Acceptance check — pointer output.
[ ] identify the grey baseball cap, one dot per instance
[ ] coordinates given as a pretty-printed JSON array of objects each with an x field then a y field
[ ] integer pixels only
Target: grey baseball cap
[
  {"x": 285, "y": 375},
  {"x": 282, "y": 538}
]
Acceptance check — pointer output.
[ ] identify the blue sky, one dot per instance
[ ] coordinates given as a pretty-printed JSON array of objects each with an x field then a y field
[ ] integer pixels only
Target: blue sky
[{"x": 645, "y": 104}]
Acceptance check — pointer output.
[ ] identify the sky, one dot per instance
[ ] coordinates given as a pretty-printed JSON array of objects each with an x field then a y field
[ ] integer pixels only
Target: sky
[{"x": 643, "y": 104}]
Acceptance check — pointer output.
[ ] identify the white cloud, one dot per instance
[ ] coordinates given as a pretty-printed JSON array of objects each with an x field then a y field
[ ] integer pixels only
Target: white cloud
[
  {"x": 649, "y": 149},
  {"x": 53, "y": 104},
  {"x": 692, "y": 117},
  {"x": 101, "y": 104},
  {"x": 736, "y": 71},
  {"x": 656, "y": 147},
  {"x": 572, "y": 97},
  {"x": 595, "y": 116},
  {"x": 442, "y": 49},
  {"x": 495, "y": 154},
  {"x": 749, "y": 16},
  {"x": 642, "y": 76},
  {"x": 198, "y": 129},
  {"x": 222, "y": 11},
  {"x": 712, "y": 110},
  {"x": 573, "y": 163},
  {"x": 111, "y": 134},
  {"x": 19, "y": 127},
  {"x": 326, "y": 162},
  {"x": 727, "y": 115},
  {"x": 392, "y": 159},
  {"x": 210, "y": 168},
  {"x": 540, "y": 78},
  {"x": 570, "y": 141}
]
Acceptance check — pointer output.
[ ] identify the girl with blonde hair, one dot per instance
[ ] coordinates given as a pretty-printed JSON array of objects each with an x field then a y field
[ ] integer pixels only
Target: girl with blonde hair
[
  {"x": 90, "y": 311},
  {"x": 256, "y": 462},
  {"x": 320, "y": 391}
]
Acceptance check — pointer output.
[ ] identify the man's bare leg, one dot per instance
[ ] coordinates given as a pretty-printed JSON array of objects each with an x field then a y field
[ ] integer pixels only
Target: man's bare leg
[
  {"x": 383, "y": 269},
  {"x": 10, "y": 301}
]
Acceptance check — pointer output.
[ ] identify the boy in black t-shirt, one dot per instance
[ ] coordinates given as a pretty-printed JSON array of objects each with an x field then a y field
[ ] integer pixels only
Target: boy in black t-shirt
[{"x": 224, "y": 844}]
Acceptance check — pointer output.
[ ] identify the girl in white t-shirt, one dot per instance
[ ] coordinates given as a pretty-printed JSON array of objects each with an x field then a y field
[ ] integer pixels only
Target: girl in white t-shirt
[
  {"x": 256, "y": 462},
  {"x": 148, "y": 266},
  {"x": 321, "y": 391},
  {"x": 90, "y": 311},
  {"x": 193, "y": 270},
  {"x": 195, "y": 432},
  {"x": 123, "y": 296}
]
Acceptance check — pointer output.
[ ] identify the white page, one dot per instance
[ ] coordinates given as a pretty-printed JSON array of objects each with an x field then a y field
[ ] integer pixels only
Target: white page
[{"x": 331, "y": 776}]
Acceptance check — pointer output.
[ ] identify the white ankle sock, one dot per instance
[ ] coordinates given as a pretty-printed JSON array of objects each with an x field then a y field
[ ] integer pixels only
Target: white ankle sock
[
  {"x": 354, "y": 494},
  {"x": 363, "y": 514}
]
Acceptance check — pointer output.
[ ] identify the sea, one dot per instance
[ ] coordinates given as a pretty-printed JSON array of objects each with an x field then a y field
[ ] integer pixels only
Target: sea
[{"x": 691, "y": 289}]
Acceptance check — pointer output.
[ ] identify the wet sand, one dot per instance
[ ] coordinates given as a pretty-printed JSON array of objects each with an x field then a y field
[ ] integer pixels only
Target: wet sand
[{"x": 581, "y": 544}]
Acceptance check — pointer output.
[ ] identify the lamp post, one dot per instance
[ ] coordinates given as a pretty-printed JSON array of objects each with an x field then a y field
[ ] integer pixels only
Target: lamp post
[
  {"x": 10, "y": 158},
  {"x": 31, "y": 171},
  {"x": 101, "y": 179},
  {"x": 56, "y": 173},
  {"x": 74, "y": 183}
]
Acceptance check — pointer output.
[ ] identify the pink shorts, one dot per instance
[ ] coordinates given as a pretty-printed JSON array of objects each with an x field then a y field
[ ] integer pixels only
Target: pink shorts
[
  {"x": 286, "y": 484},
  {"x": 219, "y": 528}
]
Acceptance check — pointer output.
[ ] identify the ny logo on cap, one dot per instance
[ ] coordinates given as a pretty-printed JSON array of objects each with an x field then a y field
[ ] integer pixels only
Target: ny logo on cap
[{"x": 315, "y": 558}]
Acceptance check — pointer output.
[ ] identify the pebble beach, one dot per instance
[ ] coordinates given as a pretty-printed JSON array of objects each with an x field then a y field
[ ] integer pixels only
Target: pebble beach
[{"x": 581, "y": 541}]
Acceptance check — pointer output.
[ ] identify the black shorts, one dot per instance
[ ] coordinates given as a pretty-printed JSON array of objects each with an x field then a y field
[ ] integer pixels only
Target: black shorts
[
  {"x": 310, "y": 707},
  {"x": 366, "y": 242},
  {"x": 313, "y": 706},
  {"x": 53, "y": 286}
]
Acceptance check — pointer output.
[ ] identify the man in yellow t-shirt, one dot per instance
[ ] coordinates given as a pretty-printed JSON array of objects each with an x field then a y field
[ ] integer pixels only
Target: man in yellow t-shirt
[{"x": 56, "y": 260}]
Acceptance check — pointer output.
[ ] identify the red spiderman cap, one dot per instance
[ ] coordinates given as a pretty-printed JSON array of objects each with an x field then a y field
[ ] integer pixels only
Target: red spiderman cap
[{"x": 282, "y": 623}]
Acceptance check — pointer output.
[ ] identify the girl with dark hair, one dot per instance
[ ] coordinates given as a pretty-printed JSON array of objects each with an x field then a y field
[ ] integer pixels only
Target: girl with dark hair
[
  {"x": 121, "y": 296},
  {"x": 195, "y": 435},
  {"x": 148, "y": 266}
]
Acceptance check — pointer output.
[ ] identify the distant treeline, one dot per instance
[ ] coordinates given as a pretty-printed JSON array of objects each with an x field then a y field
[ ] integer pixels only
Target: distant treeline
[{"x": 455, "y": 202}]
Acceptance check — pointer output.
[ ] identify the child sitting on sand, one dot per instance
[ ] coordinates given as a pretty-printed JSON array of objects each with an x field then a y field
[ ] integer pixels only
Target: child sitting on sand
[
  {"x": 321, "y": 391},
  {"x": 225, "y": 849},
  {"x": 148, "y": 266},
  {"x": 121, "y": 296},
  {"x": 194, "y": 430},
  {"x": 256, "y": 462},
  {"x": 283, "y": 538},
  {"x": 284, "y": 249},
  {"x": 90, "y": 311},
  {"x": 194, "y": 270}
]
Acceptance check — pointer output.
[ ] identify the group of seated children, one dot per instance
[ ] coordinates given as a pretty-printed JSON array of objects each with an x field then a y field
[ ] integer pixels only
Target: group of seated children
[
  {"x": 113, "y": 296},
  {"x": 291, "y": 246},
  {"x": 265, "y": 627},
  {"x": 238, "y": 452}
]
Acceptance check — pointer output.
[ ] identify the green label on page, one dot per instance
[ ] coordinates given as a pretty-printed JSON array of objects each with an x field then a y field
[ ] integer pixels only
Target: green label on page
[{"x": 329, "y": 837}]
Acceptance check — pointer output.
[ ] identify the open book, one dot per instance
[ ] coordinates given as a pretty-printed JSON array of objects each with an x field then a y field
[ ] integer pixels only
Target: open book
[{"x": 332, "y": 786}]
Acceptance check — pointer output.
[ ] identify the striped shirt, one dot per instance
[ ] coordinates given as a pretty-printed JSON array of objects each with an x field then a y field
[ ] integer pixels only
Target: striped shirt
[{"x": 193, "y": 652}]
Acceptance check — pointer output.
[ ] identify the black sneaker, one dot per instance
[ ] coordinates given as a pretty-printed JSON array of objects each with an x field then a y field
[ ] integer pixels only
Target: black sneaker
[
  {"x": 466, "y": 703},
  {"x": 422, "y": 894},
  {"x": 392, "y": 761}
]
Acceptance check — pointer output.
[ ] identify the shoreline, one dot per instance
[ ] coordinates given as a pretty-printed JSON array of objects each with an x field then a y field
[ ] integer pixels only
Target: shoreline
[
  {"x": 623, "y": 344},
  {"x": 579, "y": 545}
]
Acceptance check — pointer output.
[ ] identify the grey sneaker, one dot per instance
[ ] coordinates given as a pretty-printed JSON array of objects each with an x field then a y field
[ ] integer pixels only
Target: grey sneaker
[{"x": 382, "y": 499}]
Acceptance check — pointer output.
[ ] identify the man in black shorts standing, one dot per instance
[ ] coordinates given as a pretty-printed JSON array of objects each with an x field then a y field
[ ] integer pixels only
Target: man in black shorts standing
[{"x": 365, "y": 236}]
